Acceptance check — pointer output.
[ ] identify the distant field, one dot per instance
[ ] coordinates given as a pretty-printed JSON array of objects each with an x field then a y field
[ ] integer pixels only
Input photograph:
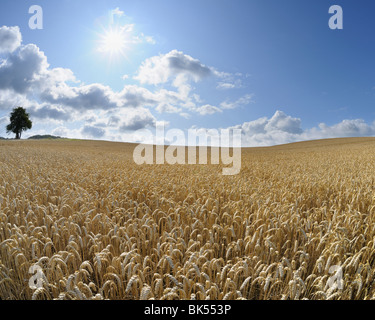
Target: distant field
[{"x": 298, "y": 222}]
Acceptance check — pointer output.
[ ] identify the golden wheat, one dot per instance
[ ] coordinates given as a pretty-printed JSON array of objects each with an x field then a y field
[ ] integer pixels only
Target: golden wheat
[{"x": 101, "y": 227}]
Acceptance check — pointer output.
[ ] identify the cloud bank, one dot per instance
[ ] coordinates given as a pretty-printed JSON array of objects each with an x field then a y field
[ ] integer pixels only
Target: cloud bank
[
  {"x": 282, "y": 128},
  {"x": 173, "y": 65},
  {"x": 10, "y": 39}
]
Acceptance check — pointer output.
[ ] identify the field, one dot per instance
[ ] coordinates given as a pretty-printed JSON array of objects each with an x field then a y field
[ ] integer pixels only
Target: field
[{"x": 82, "y": 221}]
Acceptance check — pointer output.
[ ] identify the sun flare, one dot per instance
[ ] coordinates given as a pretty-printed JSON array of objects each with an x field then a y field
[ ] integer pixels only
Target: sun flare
[{"x": 113, "y": 42}]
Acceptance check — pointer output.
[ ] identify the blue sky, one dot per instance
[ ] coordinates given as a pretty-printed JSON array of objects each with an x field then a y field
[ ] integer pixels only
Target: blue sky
[{"x": 271, "y": 68}]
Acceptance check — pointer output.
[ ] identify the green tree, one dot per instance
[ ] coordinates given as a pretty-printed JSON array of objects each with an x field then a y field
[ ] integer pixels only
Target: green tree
[{"x": 19, "y": 121}]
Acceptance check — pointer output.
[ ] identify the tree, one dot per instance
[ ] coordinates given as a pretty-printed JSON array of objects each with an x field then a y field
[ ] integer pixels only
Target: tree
[{"x": 19, "y": 121}]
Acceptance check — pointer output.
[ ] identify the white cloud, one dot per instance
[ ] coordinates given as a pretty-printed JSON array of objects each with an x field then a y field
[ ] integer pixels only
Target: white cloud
[
  {"x": 48, "y": 112},
  {"x": 61, "y": 132},
  {"x": 149, "y": 39},
  {"x": 117, "y": 12},
  {"x": 10, "y": 39},
  {"x": 167, "y": 108},
  {"x": 135, "y": 96},
  {"x": 279, "y": 129},
  {"x": 23, "y": 69},
  {"x": 185, "y": 115},
  {"x": 282, "y": 122},
  {"x": 130, "y": 36},
  {"x": 136, "y": 119},
  {"x": 169, "y": 101},
  {"x": 99, "y": 97},
  {"x": 162, "y": 68},
  {"x": 245, "y": 100},
  {"x": 179, "y": 70},
  {"x": 208, "y": 110},
  {"x": 55, "y": 81},
  {"x": 10, "y": 99},
  {"x": 282, "y": 128},
  {"x": 86, "y": 97},
  {"x": 116, "y": 121},
  {"x": 92, "y": 132},
  {"x": 3, "y": 121},
  {"x": 229, "y": 81},
  {"x": 346, "y": 128},
  {"x": 225, "y": 85}
]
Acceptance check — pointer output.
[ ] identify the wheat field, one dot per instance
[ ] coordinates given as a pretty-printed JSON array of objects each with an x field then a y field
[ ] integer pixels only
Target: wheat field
[{"x": 296, "y": 223}]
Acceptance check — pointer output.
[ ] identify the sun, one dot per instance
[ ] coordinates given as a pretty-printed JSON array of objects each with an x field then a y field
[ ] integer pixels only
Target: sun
[{"x": 113, "y": 42}]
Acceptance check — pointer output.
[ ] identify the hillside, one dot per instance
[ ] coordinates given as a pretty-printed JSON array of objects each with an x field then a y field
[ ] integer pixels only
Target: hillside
[
  {"x": 42, "y": 137},
  {"x": 88, "y": 216}
]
